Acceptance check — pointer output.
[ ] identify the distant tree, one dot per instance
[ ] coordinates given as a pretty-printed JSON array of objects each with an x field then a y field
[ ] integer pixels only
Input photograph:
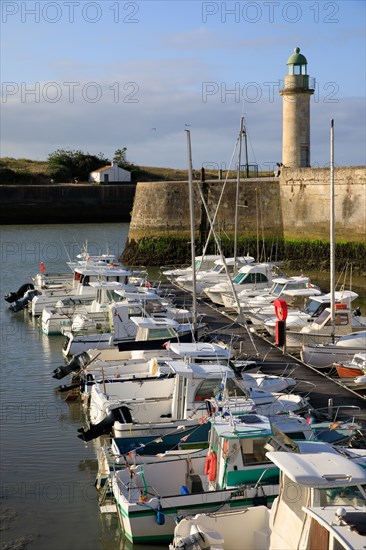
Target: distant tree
[
  {"x": 120, "y": 157},
  {"x": 68, "y": 165}
]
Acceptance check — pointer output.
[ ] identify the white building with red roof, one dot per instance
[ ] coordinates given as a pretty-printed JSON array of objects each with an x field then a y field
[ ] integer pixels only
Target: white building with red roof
[{"x": 110, "y": 174}]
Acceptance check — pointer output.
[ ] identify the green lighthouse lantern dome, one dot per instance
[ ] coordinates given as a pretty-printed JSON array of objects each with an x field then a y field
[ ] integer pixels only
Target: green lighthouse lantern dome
[{"x": 297, "y": 63}]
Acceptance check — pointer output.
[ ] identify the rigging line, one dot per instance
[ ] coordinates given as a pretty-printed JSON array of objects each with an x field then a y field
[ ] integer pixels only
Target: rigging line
[
  {"x": 220, "y": 198},
  {"x": 241, "y": 319}
]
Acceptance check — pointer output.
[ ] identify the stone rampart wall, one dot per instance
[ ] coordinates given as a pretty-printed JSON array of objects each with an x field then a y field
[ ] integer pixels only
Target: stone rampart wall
[{"x": 294, "y": 206}]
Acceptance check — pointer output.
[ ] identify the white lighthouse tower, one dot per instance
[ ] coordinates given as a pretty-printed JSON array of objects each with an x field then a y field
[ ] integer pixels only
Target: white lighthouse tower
[{"x": 296, "y": 92}]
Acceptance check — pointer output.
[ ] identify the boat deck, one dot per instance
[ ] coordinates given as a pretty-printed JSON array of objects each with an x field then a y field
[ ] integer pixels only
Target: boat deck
[{"x": 345, "y": 403}]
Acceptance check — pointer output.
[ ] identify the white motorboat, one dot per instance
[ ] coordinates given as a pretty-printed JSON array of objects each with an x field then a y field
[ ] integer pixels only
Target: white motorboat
[
  {"x": 131, "y": 333},
  {"x": 58, "y": 318},
  {"x": 253, "y": 277},
  {"x": 278, "y": 290},
  {"x": 325, "y": 355},
  {"x": 214, "y": 275},
  {"x": 321, "y": 504},
  {"x": 178, "y": 390},
  {"x": 202, "y": 263},
  {"x": 321, "y": 331},
  {"x": 315, "y": 305},
  {"x": 83, "y": 276}
]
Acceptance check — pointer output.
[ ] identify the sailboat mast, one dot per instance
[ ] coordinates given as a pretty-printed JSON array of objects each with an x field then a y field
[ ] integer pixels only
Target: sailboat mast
[
  {"x": 332, "y": 232},
  {"x": 193, "y": 246},
  {"x": 237, "y": 197}
]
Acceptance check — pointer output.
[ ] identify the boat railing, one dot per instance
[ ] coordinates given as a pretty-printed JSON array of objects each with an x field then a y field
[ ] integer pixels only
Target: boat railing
[
  {"x": 334, "y": 413},
  {"x": 303, "y": 388}
]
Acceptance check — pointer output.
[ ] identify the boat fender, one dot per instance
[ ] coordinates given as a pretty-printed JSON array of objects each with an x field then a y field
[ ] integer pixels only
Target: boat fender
[
  {"x": 160, "y": 516},
  {"x": 207, "y": 464},
  {"x": 211, "y": 465},
  {"x": 193, "y": 542}
]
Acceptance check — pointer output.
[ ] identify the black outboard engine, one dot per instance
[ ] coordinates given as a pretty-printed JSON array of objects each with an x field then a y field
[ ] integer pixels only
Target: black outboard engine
[
  {"x": 78, "y": 362},
  {"x": 22, "y": 302},
  {"x": 357, "y": 312},
  {"x": 120, "y": 414},
  {"x": 14, "y": 296},
  {"x": 193, "y": 542}
]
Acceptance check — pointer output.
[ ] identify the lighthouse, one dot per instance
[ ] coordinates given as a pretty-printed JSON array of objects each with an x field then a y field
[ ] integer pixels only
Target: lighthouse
[{"x": 296, "y": 92}]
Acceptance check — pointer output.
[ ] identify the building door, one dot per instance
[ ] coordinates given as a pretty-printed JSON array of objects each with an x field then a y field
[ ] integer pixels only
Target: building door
[{"x": 106, "y": 178}]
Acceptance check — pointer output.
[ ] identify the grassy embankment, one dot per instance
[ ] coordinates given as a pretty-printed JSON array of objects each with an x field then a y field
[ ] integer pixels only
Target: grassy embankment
[{"x": 26, "y": 171}]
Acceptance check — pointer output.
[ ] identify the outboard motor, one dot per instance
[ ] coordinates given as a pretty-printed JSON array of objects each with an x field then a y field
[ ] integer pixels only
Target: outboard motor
[
  {"x": 14, "y": 296},
  {"x": 22, "y": 302},
  {"x": 194, "y": 541},
  {"x": 120, "y": 414},
  {"x": 357, "y": 312},
  {"x": 78, "y": 362}
]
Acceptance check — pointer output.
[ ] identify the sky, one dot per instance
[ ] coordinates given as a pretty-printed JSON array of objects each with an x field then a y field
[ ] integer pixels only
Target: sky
[{"x": 99, "y": 76}]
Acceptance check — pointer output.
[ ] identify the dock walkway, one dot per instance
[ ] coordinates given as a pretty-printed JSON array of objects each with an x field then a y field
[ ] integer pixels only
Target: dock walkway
[{"x": 247, "y": 345}]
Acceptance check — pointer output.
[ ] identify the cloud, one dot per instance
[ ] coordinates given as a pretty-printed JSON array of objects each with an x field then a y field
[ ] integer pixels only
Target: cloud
[{"x": 139, "y": 96}]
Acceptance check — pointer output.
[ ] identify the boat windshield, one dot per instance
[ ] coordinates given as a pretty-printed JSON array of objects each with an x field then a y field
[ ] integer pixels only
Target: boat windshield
[
  {"x": 343, "y": 496},
  {"x": 313, "y": 306},
  {"x": 341, "y": 318},
  {"x": 278, "y": 289},
  {"x": 210, "y": 388}
]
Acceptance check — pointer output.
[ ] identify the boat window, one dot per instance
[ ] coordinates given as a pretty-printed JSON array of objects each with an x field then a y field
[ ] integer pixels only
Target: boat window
[
  {"x": 278, "y": 289},
  {"x": 134, "y": 312},
  {"x": 322, "y": 317},
  {"x": 238, "y": 278},
  {"x": 154, "y": 306},
  {"x": 253, "y": 450},
  {"x": 294, "y": 496},
  {"x": 217, "y": 268},
  {"x": 313, "y": 306},
  {"x": 210, "y": 388},
  {"x": 341, "y": 319},
  {"x": 253, "y": 278},
  {"x": 158, "y": 333},
  {"x": 342, "y": 496}
]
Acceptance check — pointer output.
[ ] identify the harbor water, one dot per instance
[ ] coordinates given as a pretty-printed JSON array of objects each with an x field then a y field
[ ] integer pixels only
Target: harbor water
[{"x": 48, "y": 498}]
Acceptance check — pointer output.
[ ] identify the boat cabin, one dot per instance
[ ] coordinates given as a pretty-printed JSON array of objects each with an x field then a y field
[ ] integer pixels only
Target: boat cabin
[{"x": 321, "y": 502}]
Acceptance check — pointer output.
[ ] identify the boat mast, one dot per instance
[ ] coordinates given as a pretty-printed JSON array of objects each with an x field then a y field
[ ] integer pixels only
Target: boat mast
[
  {"x": 193, "y": 246},
  {"x": 237, "y": 197},
  {"x": 332, "y": 232}
]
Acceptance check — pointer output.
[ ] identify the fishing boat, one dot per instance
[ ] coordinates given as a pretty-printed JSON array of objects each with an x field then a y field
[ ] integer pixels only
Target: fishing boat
[
  {"x": 234, "y": 473},
  {"x": 321, "y": 504}
]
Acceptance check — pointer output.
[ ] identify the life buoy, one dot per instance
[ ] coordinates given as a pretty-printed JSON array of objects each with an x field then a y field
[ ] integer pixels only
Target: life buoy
[
  {"x": 211, "y": 466},
  {"x": 280, "y": 309}
]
